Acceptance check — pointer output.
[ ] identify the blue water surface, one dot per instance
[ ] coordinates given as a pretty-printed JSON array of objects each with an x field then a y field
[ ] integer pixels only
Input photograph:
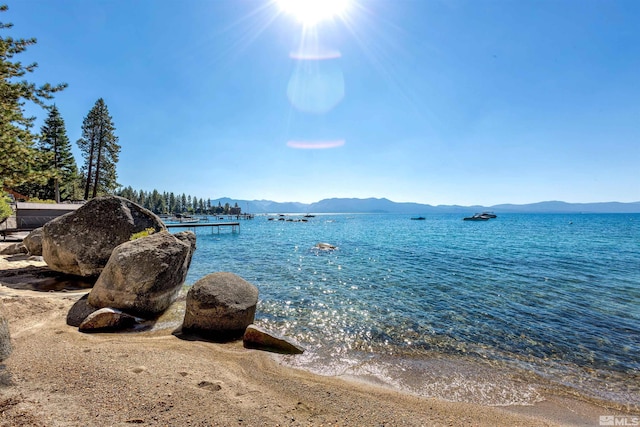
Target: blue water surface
[{"x": 556, "y": 297}]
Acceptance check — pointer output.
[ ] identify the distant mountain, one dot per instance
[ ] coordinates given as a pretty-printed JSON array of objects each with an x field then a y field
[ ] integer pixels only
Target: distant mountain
[
  {"x": 370, "y": 205},
  {"x": 564, "y": 207},
  {"x": 373, "y": 205}
]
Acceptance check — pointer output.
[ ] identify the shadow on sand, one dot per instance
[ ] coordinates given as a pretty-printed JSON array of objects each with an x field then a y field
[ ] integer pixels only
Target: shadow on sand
[{"x": 41, "y": 279}]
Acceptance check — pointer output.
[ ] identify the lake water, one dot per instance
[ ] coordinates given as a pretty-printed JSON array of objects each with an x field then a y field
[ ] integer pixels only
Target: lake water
[{"x": 495, "y": 312}]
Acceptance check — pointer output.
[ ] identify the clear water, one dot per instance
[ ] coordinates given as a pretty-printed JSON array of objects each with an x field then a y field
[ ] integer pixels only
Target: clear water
[{"x": 490, "y": 312}]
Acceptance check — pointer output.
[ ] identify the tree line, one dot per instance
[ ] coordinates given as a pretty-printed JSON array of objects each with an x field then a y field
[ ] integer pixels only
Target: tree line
[
  {"x": 171, "y": 203},
  {"x": 41, "y": 165}
]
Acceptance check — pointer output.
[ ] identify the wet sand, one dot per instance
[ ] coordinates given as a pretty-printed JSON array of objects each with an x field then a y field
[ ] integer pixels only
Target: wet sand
[{"x": 57, "y": 376}]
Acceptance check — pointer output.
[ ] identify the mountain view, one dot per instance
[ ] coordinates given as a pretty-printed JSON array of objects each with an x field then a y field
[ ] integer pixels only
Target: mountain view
[{"x": 383, "y": 205}]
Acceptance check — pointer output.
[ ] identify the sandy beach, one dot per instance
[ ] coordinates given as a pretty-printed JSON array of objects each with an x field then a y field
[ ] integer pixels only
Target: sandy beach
[{"x": 57, "y": 376}]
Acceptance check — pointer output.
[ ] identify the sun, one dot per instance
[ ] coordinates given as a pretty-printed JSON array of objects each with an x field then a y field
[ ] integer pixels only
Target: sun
[{"x": 312, "y": 12}]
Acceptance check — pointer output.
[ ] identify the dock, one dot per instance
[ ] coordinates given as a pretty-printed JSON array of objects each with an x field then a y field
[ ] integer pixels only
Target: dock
[{"x": 213, "y": 225}]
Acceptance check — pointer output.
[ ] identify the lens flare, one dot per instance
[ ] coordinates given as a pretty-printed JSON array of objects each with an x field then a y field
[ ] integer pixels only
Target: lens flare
[
  {"x": 316, "y": 86},
  {"x": 316, "y": 145},
  {"x": 311, "y": 12},
  {"x": 315, "y": 54}
]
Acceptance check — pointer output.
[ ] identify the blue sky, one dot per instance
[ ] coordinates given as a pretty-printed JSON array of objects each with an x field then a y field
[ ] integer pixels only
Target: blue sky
[{"x": 438, "y": 102}]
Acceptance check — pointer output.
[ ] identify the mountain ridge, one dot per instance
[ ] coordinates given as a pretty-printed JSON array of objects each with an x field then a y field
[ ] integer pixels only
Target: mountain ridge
[{"x": 384, "y": 205}]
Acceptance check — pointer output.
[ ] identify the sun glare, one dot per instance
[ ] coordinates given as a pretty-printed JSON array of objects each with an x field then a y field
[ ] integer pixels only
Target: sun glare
[{"x": 311, "y": 12}]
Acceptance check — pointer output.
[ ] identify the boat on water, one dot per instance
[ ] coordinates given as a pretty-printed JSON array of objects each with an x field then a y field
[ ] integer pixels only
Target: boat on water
[
  {"x": 189, "y": 220},
  {"x": 477, "y": 217},
  {"x": 183, "y": 219},
  {"x": 418, "y": 218}
]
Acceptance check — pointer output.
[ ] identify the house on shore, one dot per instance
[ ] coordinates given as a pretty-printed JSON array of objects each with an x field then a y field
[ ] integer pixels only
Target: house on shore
[{"x": 29, "y": 216}]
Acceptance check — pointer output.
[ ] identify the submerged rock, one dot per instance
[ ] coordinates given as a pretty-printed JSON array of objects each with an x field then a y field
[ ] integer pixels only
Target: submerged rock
[
  {"x": 258, "y": 338},
  {"x": 81, "y": 242},
  {"x": 220, "y": 306},
  {"x": 326, "y": 247}
]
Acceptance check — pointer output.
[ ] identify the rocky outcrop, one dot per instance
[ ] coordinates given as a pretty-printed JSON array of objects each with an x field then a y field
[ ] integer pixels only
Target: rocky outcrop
[
  {"x": 144, "y": 276},
  {"x": 107, "y": 319},
  {"x": 81, "y": 242},
  {"x": 5, "y": 338},
  {"x": 33, "y": 242},
  {"x": 220, "y": 306},
  {"x": 258, "y": 338}
]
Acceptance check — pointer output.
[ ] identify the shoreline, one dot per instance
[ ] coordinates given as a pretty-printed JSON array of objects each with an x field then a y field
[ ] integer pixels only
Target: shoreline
[{"x": 59, "y": 376}]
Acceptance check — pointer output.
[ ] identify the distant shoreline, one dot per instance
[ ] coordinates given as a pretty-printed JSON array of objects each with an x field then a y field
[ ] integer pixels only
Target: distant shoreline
[{"x": 373, "y": 205}]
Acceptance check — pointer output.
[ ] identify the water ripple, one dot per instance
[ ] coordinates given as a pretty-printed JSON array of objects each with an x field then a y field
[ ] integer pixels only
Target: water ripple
[{"x": 559, "y": 301}]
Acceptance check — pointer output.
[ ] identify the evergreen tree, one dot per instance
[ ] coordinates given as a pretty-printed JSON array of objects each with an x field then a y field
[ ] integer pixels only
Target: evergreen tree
[
  {"x": 128, "y": 193},
  {"x": 5, "y": 207},
  {"x": 172, "y": 203},
  {"x": 18, "y": 157},
  {"x": 142, "y": 198},
  {"x": 55, "y": 143},
  {"x": 100, "y": 150},
  {"x": 155, "y": 202}
]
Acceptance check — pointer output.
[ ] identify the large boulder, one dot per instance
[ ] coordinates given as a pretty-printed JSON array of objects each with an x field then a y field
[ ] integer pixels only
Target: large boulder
[
  {"x": 81, "y": 242},
  {"x": 144, "y": 275},
  {"x": 220, "y": 306},
  {"x": 33, "y": 242},
  {"x": 189, "y": 238}
]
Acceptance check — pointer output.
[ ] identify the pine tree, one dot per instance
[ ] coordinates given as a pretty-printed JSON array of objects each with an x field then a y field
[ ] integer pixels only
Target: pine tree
[
  {"x": 172, "y": 203},
  {"x": 55, "y": 144},
  {"x": 128, "y": 193},
  {"x": 155, "y": 203},
  {"x": 18, "y": 158},
  {"x": 100, "y": 150}
]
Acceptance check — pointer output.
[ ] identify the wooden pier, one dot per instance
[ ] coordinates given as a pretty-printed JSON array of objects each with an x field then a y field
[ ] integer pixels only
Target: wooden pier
[{"x": 213, "y": 225}]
